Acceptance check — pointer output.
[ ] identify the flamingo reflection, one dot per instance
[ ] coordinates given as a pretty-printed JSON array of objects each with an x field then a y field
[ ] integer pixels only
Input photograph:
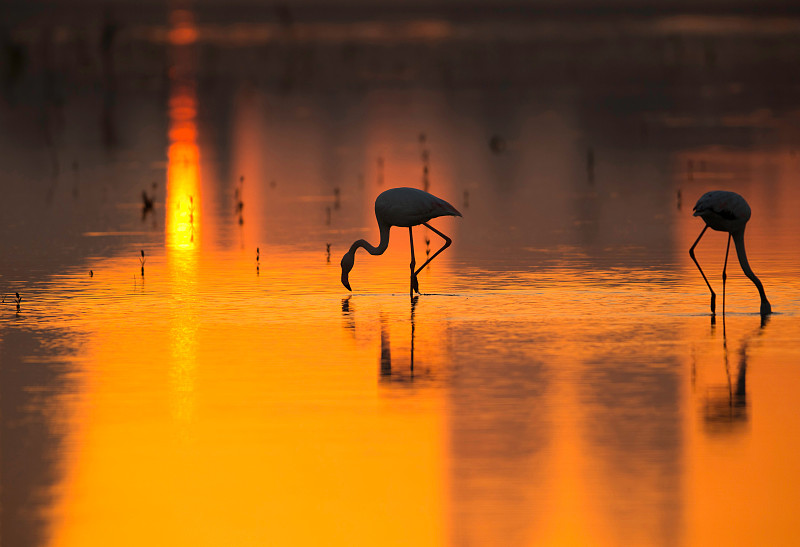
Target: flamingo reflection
[
  {"x": 347, "y": 315},
  {"x": 726, "y": 406},
  {"x": 401, "y": 374}
]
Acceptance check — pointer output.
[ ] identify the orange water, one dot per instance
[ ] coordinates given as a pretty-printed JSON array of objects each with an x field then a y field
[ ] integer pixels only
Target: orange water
[{"x": 559, "y": 381}]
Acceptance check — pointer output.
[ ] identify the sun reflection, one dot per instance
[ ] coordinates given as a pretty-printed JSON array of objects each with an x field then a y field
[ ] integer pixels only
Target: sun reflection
[
  {"x": 183, "y": 30},
  {"x": 183, "y": 213},
  {"x": 182, "y": 196},
  {"x": 183, "y": 155}
]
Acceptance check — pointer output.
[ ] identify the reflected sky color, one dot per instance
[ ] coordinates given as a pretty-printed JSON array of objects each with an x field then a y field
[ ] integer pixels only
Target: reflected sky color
[
  {"x": 184, "y": 200},
  {"x": 559, "y": 382}
]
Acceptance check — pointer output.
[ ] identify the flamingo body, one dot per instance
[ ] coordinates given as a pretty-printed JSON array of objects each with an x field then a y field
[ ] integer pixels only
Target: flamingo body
[
  {"x": 723, "y": 211},
  {"x": 406, "y": 207},
  {"x": 403, "y": 207},
  {"x": 726, "y": 211}
]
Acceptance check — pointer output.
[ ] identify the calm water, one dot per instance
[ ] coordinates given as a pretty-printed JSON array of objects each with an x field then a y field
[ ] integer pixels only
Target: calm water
[{"x": 559, "y": 382}]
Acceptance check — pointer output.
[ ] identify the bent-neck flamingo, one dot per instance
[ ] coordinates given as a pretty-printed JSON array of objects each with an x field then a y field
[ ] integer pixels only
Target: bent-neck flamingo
[
  {"x": 406, "y": 208},
  {"x": 727, "y": 212}
]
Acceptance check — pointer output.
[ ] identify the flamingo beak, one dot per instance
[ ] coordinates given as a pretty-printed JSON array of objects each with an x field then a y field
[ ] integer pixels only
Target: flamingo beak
[
  {"x": 348, "y": 260},
  {"x": 345, "y": 281}
]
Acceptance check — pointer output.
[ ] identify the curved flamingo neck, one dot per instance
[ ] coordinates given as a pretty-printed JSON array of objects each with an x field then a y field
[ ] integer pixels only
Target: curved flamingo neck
[
  {"x": 738, "y": 240},
  {"x": 371, "y": 249}
]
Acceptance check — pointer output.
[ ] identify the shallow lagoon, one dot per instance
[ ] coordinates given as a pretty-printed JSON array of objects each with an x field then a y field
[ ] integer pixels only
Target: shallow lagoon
[{"x": 560, "y": 380}]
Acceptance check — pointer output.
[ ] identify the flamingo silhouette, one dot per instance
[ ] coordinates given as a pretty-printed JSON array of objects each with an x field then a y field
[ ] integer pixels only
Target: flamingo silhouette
[
  {"x": 727, "y": 212},
  {"x": 406, "y": 208}
]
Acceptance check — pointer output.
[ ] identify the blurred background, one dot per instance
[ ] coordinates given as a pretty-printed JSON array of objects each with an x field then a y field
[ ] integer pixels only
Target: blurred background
[
  {"x": 666, "y": 92},
  {"x": 559, "y": 383}
]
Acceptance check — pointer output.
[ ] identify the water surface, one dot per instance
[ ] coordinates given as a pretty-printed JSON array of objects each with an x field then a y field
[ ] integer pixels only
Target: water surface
[{"x": 559, "y": 381}]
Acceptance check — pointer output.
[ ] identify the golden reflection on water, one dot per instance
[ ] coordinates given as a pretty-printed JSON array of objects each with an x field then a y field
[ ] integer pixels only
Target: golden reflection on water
[
  {"x": 184, "y": 199},
  {"x": 527, "y": 429},
  {"x": 740, "y": 452},
  {"x": 573, "y": 404},
  {"x": 209, "y": 416},
  {"x": 183, "y": 224},
  {"x": 221, "y": 405},
  {"x": 258, "y": 424},
  {"x": 207, "y": 421}
]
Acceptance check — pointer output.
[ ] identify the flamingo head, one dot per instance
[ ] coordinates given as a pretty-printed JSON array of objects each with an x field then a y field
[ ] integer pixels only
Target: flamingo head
[{"x": 348, "y": 260}]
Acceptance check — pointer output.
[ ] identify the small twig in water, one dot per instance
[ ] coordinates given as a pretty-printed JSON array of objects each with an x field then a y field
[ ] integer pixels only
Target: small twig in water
[{"x": 16, "y": 300}]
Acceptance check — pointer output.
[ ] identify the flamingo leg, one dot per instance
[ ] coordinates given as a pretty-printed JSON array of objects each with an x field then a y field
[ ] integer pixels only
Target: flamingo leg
[
  {"x": 725, "y": 275},
  {"x": 447, "y": 242},
  {"x": 691, "y": 253},
  {"x": 414, "y": 284}
]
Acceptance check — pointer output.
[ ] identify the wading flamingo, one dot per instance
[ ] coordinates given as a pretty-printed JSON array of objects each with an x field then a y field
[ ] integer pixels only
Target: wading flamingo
[
  {"x": 727, "y": 212},
  {"x": 406, "y": 208}
]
